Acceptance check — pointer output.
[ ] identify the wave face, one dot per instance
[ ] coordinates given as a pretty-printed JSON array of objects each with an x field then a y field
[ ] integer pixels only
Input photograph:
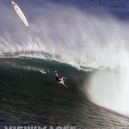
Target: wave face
[
  {"x": 30, "y": 95},
  {"x": 77, "y": 38}
]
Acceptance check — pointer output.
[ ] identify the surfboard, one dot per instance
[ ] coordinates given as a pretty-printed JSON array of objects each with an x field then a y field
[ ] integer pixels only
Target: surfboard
[{"x": 20, "y": 13}]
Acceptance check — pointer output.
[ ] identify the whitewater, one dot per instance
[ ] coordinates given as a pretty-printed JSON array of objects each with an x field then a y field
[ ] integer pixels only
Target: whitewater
[{"x": 83, "y": 40}]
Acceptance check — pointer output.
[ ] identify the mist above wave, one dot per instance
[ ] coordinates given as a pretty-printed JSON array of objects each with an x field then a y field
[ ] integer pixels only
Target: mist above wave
[{"x": 65, "y": 31}]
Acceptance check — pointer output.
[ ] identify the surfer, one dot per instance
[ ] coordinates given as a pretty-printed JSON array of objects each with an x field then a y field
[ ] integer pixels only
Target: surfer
[{"x": 60, "y": 80}]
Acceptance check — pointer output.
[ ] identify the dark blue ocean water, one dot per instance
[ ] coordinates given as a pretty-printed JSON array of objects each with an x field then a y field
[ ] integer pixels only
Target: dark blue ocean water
[{"x": 118, "y": 8}]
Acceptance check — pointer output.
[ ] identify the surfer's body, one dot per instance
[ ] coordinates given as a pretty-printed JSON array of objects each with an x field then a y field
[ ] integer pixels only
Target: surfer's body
[{"x": 60, "y": 80}]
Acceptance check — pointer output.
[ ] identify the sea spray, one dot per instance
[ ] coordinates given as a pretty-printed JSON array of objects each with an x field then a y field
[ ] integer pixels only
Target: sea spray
[{"x": 109, "y": 88}]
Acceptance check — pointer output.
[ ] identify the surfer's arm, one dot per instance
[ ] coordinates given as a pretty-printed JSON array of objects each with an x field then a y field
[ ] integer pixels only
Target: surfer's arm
[
  {"x": 56, "y": 73},
  {"x": 64, "y": 77}
]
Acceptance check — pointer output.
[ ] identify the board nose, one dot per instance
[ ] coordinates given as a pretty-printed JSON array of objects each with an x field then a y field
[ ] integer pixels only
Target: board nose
[{"x": 12, "y": 2}]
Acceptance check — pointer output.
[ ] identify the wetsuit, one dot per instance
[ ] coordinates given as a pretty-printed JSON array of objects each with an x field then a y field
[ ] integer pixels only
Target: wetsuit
[{"x": 57, "y": 79}]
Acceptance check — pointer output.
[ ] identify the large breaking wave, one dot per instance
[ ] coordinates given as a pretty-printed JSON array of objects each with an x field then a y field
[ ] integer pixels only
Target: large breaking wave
[{"x": 79, "y": 39}]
